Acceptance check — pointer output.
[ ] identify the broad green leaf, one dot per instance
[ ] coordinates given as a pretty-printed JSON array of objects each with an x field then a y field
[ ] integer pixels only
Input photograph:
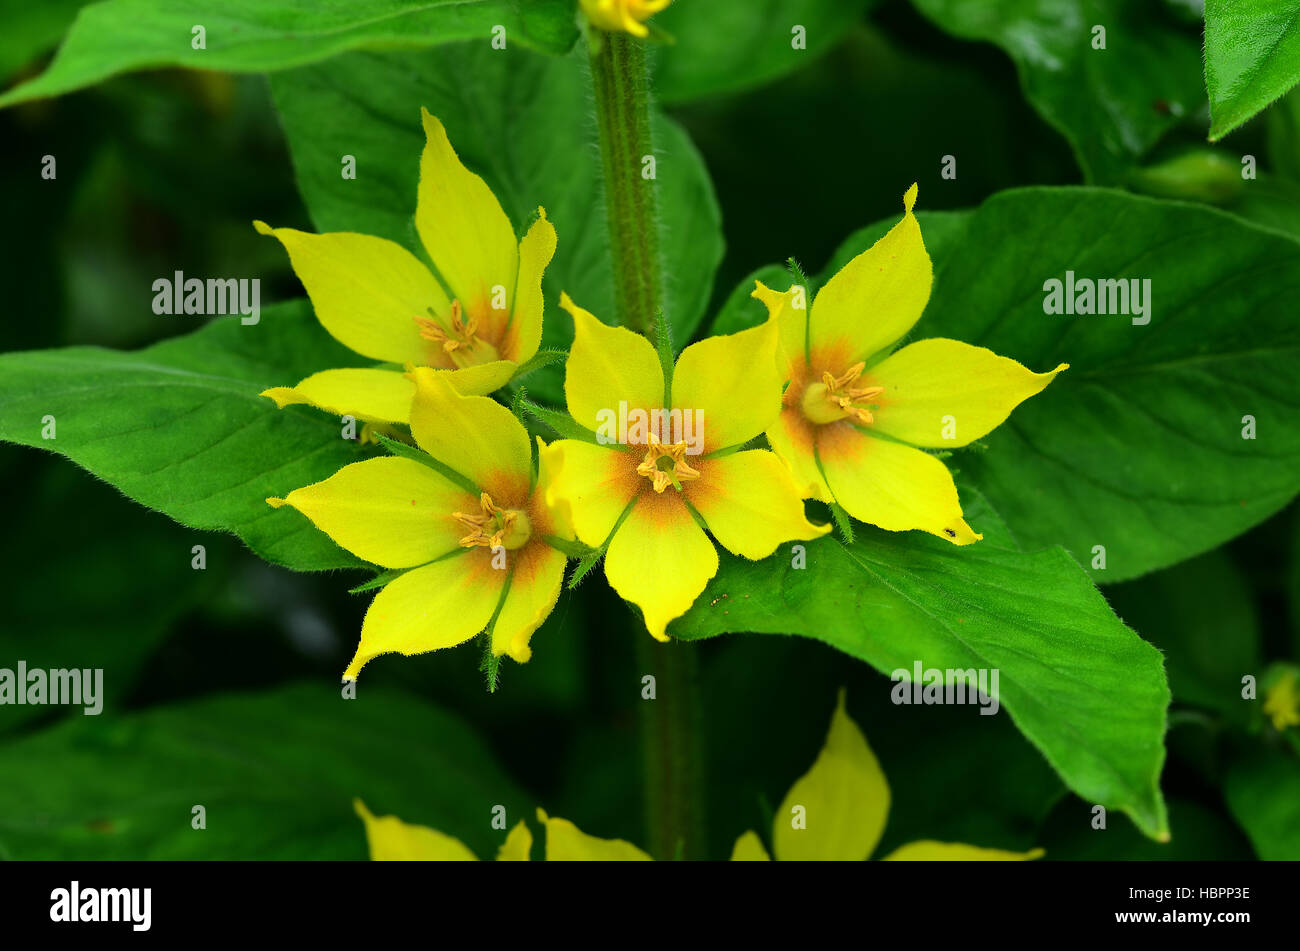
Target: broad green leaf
[
  {"x": 276, "y": 773},
  {"x": 252, "y": 36},
  {"x": 179, "y": 426},
  {"x": 1262, "y": 788},
  {"x": 1138, "y": 447},
  {"x": 723, "y": 46},
  {"x": 524, "y": 125},
  {"x": 1112, "y": 104},
  {"x": 1202, "y": 617},
  {"x": 1252, "y": 56},
  {"x": 1087, "y": 691},
  {"x": 32, "y": 29},
  {"x": 102, "y": 582}
]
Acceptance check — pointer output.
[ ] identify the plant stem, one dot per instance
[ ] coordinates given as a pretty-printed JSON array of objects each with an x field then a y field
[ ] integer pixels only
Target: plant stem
[
  {"x": 670, "y": 723},
  {"x": 622, "y": 90},
  {"x": 670, "y": 737}
]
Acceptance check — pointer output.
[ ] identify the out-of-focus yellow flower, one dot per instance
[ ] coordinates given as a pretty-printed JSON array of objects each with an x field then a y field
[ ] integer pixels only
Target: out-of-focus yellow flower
[
  {"x": 391, "y": 839},
  {"x": 854, "y": 415},
  {"x": 626, "y": 16},
  {"x": 1282, "y": 700},
  {"x": 477, "y": 559},
  {"x": 480, "y": 321},
  {"x": 837, "y": 811},
  {"x": 650, "y": 496}
]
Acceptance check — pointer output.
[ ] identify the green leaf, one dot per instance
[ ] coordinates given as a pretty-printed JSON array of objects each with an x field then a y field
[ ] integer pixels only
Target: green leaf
[
  {"x": 1202, "y": 616},
  {"x": 276, "y": 773},
  {"x": 725, "y": 46},
  {"x": 179, "y": 426},
  {"x": 1263, "y": 792},
  {"x": 1252, "y": 56},
  {"x": 1083, "y": 688},
  {"x": 31, "y": 30},
  {"x": 524, "y": 125},
  {"x": 1138, "y": 446},
  {"x": 253, "y": 36},
  {"x": 101, "y": 582},
  {"x": 1111, "y": 104}
]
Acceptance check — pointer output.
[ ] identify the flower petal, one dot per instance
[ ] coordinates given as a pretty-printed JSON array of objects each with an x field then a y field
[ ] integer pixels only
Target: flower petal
[
  {"x": 382, "y": 396},
  {"x": 792, "y": 437},
  {"x": 389, "y": 511},
  {"x": 749, "y": 848},
  {"x": 751, "y": 503},
  {"x": 732, "y": 384},
  {"x": 606, "y": 366},
  {"x": 366, "y": 291},
  {"x": 392, "y": 840},
  {"x": 468, "y": 236},
  {"x": 595, "y": 483},
  {"x": 790, "y": 311},
  {"x": 518, "y": 845},
  {"x": 565, "y": 842},
  {"x": 524, "y": 334},
  {"x": 537, "y": 573},
  {"x": 890, "y": 485},
  {"x": 439, "y": 605},
  {"x": 474, "y": 435},
  {"x": 480, "y": 379},
  {"x": 936, "y": 378},
  {"x": 844, "y": 800},
  {"x": 660, "y": 559},
  {"x": 875, "y": 299},
  {"x": 927, "y": 850}
]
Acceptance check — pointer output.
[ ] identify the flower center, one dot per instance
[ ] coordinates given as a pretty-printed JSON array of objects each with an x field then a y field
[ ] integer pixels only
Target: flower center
[
  {"x": 495, "y": 527},
  {"x": 666, "y": 465},
  {"x": 462, "y": 341},
  {"x": 836, "y": 398}
]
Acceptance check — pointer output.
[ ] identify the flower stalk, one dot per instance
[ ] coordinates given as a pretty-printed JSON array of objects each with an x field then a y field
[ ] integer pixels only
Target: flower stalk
[
  {"x": 670, "y": 723},
  {"x": 622, "y": 91}
]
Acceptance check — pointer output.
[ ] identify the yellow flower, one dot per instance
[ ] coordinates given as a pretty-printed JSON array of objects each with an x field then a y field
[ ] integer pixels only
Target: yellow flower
[
  {"x": 649, "y": 499},
  {"x": 475, "y": 546},
  {"x": 837, "y": 811},
  {"x": 854, "y": 413},
  {"x": 1282, "y": 700},
  {"x": 391, "y": 839},
  {"x": 622, "y": 15},
  {"x": 481, "y": 320}
]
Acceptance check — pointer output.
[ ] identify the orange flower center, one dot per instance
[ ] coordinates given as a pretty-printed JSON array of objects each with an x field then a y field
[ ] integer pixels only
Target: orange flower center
[
  {"x": 836, "y": 398},
  {"x": 461, "y": 340},
  {"x": 494, "y": 527},
  {"x": 666, "y": 465}
]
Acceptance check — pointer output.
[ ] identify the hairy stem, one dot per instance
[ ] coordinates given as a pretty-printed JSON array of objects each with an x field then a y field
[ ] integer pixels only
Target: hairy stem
[
  {"x": 622, "y": 91},
  {"x": 670, "y": 722},
  {"x": 670, "y": 736}
]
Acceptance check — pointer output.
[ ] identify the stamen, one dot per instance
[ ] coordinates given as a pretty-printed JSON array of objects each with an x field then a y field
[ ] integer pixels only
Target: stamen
[
  {"x": 835, "y": 397},
  {"x": 494, "y": 527},
  {"x": 462, "y": 336},
  {"x": 666, "y": 465}
]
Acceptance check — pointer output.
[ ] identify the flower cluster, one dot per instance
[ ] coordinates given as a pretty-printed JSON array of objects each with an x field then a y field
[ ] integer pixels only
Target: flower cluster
[{"x": 473, "y": 521}]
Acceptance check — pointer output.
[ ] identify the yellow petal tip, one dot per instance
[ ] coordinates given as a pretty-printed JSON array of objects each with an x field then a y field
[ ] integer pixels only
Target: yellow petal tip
[
  {"x": 274, "y": 502},
  {"x": 909, "y": 198},
  {"x": 261, "y": 227}
]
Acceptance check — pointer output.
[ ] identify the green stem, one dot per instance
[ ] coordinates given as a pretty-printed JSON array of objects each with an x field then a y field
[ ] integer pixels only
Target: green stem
[
  {"x": 670, "y": 723},
  {"x": 670, "y": 736},
  {"x": 622, "y": 90}
]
